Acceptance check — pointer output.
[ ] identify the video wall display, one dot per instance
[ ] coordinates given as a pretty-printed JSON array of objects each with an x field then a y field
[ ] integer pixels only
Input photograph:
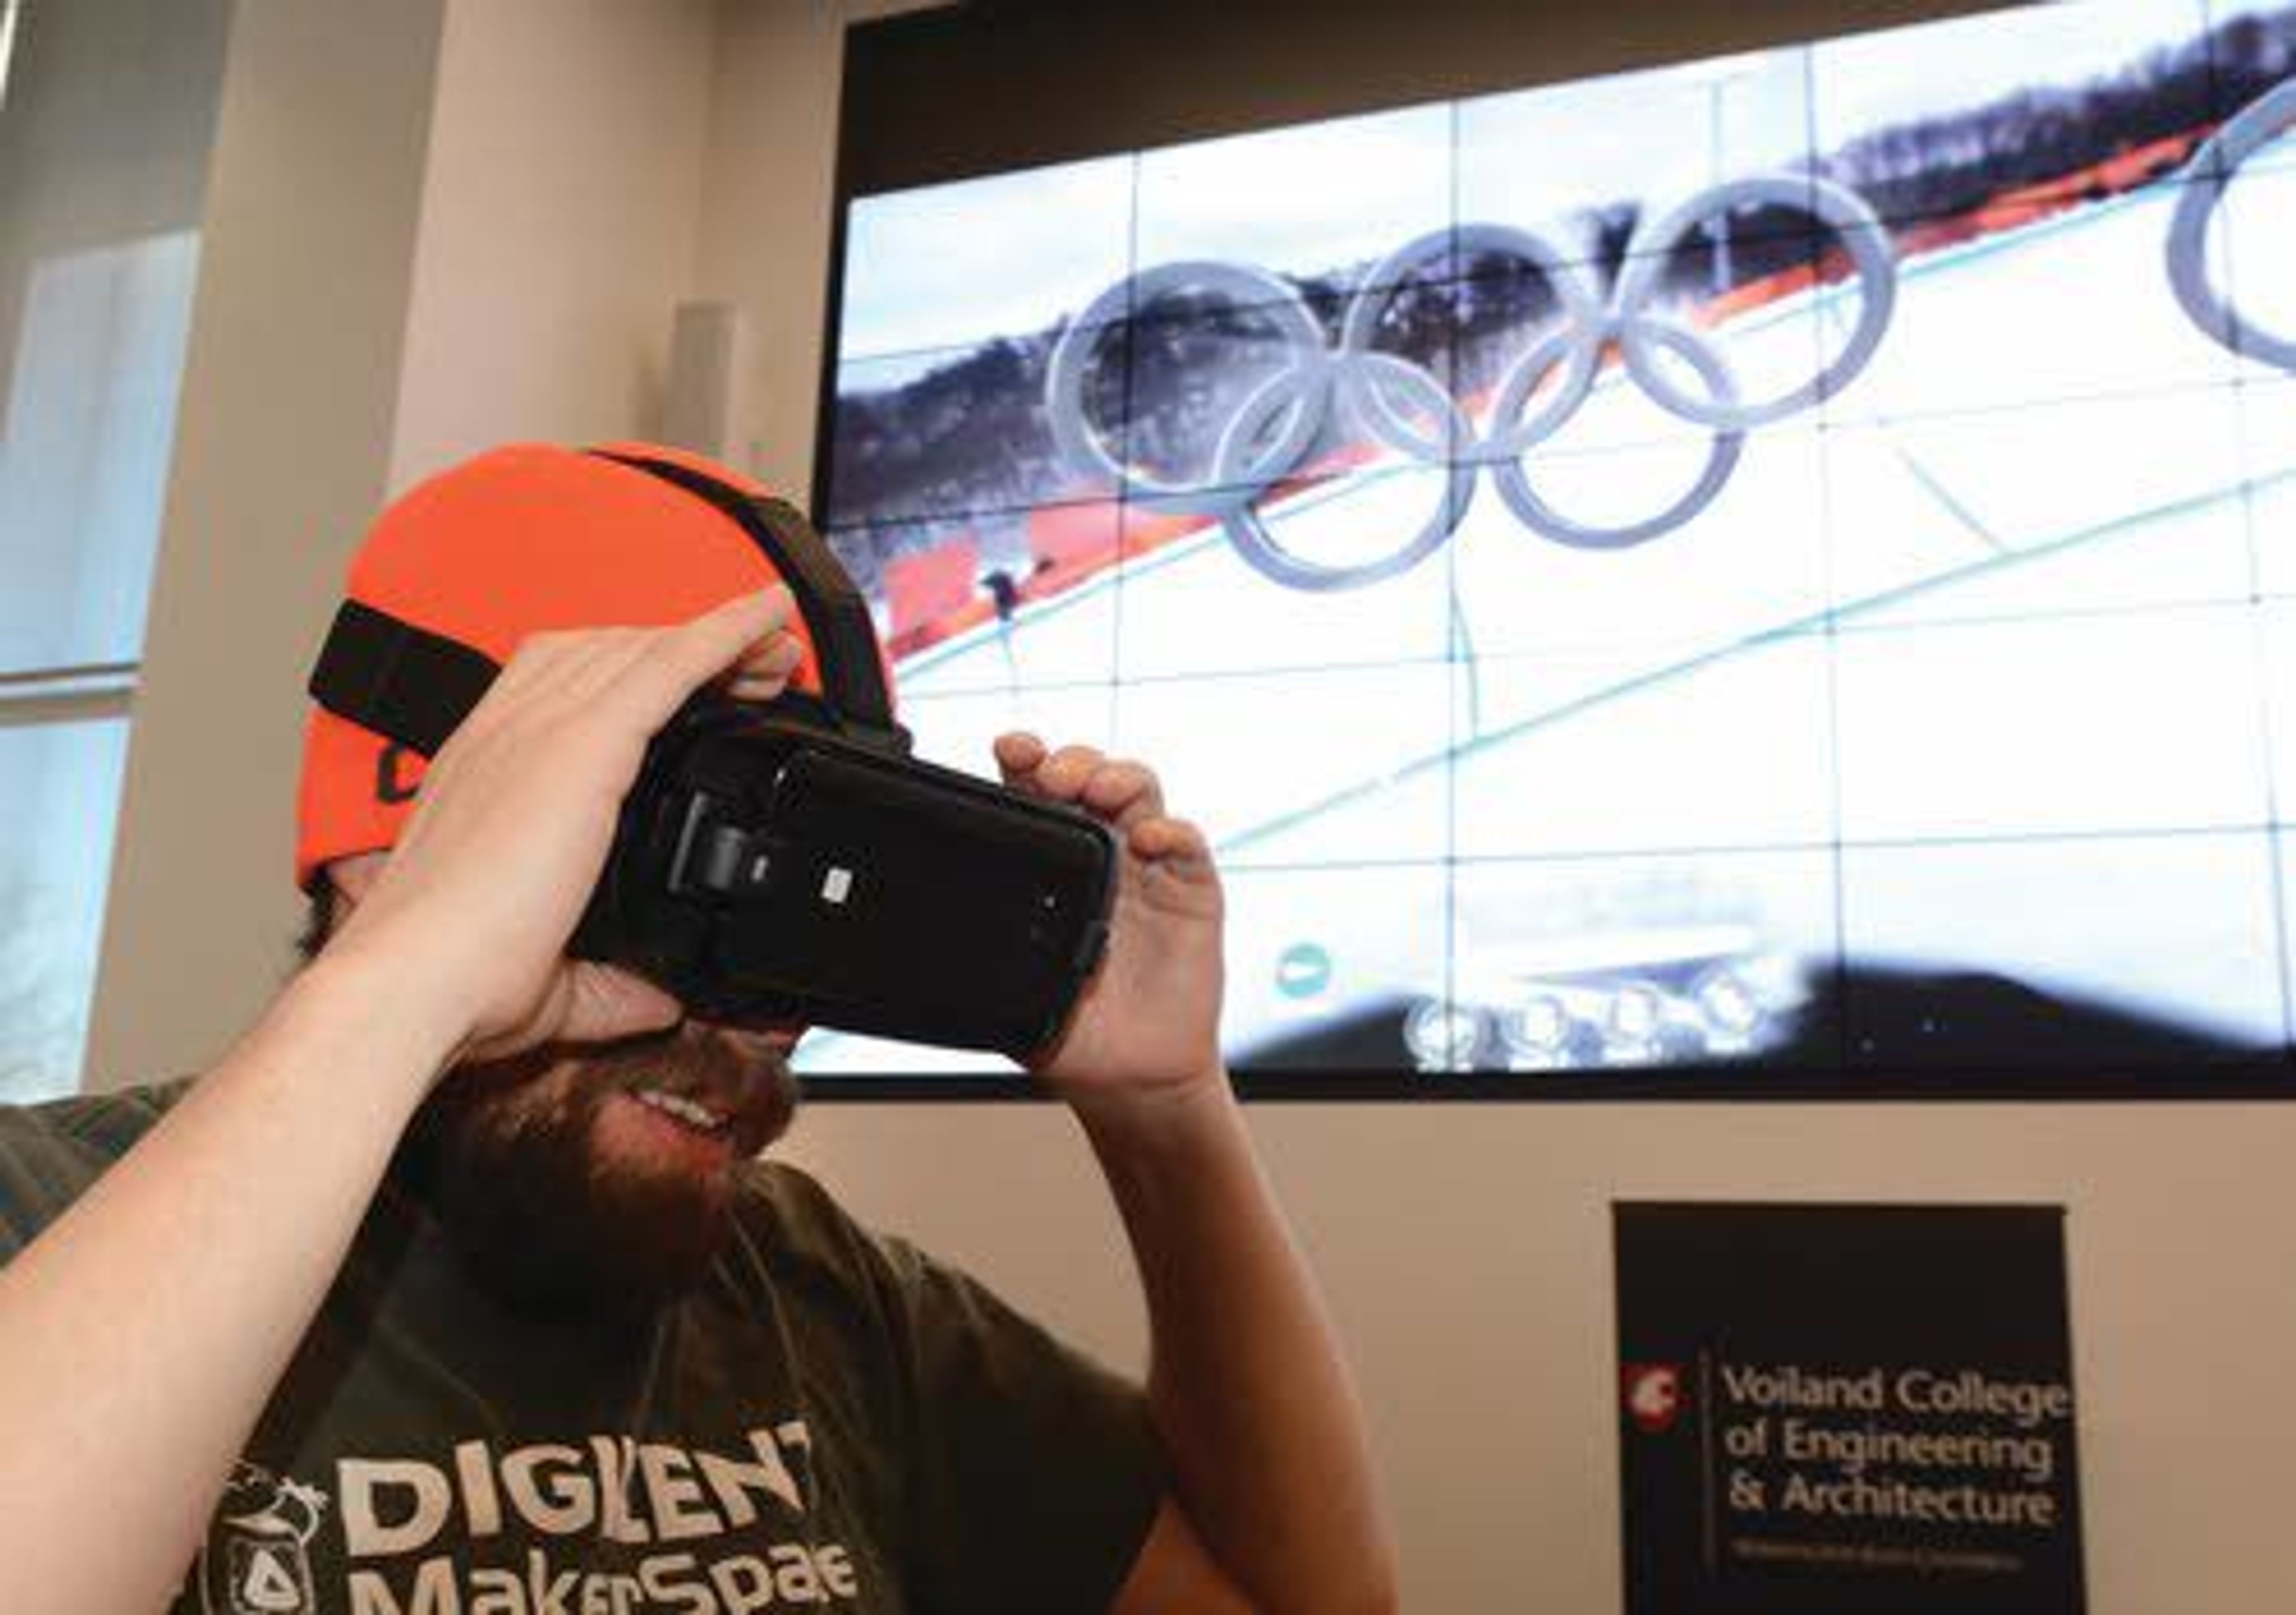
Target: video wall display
[{"x": 1785, "y": 560}]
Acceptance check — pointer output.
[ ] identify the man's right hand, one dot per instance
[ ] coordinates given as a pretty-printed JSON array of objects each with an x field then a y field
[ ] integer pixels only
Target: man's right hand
[{"x": 471, "y": 911}]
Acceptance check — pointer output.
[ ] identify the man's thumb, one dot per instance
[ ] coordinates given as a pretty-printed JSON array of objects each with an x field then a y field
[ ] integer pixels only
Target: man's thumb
[{"x": 607, "y": 1003}]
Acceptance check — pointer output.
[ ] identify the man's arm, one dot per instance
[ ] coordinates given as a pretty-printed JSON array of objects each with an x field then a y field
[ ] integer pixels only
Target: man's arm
[
  {"x": 1254, "y": 1400},
  {"x": 1249, "y": 1389},
  {"x": 142, "y": 1334}
]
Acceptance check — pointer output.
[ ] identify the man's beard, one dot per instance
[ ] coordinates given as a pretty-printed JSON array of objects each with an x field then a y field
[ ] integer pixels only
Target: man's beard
[{"x": 506, "y": 1155}]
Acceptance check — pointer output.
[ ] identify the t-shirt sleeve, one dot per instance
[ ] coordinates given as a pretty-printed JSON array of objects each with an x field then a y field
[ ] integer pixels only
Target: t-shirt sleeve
[
  {"x": 50, "y": 1152},
  {"x": 1034, "y": 1472},
  {"x": 25, "y": 1202},
  {"x": 42, "y": 1169}
]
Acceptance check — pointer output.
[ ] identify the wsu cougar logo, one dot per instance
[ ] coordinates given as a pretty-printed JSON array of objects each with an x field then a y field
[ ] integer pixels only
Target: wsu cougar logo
[
  {"x": 1654, "y": 1396},
  {"x": 256, "y": 1561}
]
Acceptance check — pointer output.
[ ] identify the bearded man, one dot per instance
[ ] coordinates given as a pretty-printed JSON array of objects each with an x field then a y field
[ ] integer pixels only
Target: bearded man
[{"x": 457, "y": 1285}]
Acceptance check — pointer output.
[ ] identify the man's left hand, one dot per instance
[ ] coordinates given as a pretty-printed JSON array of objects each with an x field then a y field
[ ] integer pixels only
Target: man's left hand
[{"x": 1148, "y": 1022}]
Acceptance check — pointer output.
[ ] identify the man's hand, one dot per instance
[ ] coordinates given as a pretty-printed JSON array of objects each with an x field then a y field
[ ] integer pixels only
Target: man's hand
[
  {"x": 1274, "y": 1504},
  {"x": 476, "y": 902},
  {"x": 1148, "y": 1023}
]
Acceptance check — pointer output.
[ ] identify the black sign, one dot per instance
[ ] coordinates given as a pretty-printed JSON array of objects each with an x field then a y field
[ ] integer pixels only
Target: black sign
[{"x": 1846, "y": 1410}]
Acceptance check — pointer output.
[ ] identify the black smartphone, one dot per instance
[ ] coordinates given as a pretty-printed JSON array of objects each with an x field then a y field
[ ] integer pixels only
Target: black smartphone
[{"x": 769, "y": 871}]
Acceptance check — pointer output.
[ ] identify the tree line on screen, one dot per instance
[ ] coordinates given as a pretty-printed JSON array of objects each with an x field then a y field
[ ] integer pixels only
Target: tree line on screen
[{"x": 910, "y": 464}]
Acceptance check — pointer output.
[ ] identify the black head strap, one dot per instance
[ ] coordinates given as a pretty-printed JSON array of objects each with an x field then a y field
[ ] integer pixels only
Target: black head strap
[
  {"x": 415, "y": 687},
  {"x": 407, "y": 683},
  {"x": 836, "y": 616}
]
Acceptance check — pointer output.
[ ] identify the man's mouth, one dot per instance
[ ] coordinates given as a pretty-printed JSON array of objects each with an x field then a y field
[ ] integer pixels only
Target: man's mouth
[{"x": 701, "y": 1117}]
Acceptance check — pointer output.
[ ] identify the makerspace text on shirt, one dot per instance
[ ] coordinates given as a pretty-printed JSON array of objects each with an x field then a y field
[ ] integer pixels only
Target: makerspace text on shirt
[{"x": 414, "y": 1530}]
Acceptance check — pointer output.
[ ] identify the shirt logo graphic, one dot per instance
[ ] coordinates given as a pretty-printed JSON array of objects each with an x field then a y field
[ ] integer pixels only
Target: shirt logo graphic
[{"x": 257, "y": 1559}]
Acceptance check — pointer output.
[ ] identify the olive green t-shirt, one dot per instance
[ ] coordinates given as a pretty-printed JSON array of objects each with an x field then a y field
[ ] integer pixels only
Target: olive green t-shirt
[{"x": 832, "y": 1420}]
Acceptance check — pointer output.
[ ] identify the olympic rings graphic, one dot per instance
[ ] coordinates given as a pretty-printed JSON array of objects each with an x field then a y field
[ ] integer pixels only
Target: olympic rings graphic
[
  {"x": 2211, "y": 170},
  {"x": 1266, "y": 437}
]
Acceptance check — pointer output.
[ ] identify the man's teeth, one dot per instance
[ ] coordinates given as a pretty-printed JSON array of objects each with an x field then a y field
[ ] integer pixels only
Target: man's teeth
[{"x": 685, "y": 1109}]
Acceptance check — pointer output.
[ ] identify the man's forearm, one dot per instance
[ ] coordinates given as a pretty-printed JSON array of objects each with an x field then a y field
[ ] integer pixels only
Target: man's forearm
[
  {"x": 141, "y": 1334},
  {"x": 1247, "y": 1382}
]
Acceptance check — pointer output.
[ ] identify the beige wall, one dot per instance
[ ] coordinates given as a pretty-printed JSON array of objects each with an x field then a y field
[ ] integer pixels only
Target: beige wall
[
  {"x": 559, "y": 223},
  {"x": 1465, "y": 1249}
]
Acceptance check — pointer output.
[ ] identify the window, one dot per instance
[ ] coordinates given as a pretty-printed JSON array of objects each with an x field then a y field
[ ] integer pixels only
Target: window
[{"x": 107, "y": 112}]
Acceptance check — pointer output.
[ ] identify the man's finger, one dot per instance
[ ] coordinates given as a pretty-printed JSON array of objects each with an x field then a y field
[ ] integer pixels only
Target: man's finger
[
  {"x": 1125, "y": 792},
  {"x": 684, "y": 658},
  {"x": 1175, "y": 851},
  {"x": 605, "y": 1003},
  {"x": 1018, "y": 753},
  {"x": 1062, "y": 776},
  {"x": 1178, "y": 840},
  {"x": 766, "y": 667}
]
